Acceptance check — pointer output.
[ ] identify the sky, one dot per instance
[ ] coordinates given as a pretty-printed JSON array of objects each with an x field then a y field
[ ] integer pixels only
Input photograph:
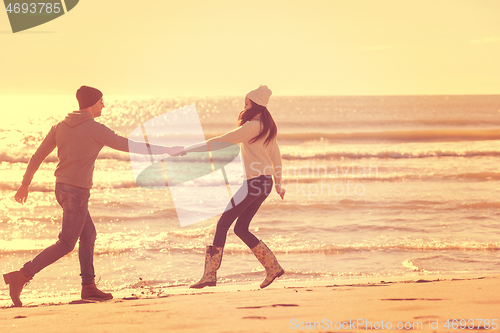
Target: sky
[{"x": 226, "y": 48}]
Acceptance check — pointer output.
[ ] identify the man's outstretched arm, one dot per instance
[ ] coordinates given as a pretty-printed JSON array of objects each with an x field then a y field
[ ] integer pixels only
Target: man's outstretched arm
[
  {"x": 109, "y": 138},
  {"x": 45, "y": 148}
]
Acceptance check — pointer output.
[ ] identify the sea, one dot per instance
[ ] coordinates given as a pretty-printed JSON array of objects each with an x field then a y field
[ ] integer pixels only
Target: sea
[{"x": 377, "y": 187}]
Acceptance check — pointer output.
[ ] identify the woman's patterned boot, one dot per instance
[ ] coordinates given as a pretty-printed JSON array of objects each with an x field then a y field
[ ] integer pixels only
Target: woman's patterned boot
[
  {"x": 270, "y": 263},
  {"x": 213, "y": 259}
]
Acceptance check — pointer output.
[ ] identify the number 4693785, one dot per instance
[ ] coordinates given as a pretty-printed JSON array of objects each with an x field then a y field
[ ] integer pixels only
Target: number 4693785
[
  {"x": 34, "y": 8},
  {"x": 471, "y": 324}
]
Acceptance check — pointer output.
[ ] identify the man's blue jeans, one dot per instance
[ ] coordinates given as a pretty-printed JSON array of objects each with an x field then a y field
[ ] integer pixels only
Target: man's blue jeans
[{"x": 76, "y": 224}]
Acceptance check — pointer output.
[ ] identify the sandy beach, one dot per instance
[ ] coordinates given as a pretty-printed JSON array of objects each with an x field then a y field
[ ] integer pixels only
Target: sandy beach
[{"x": 428, "y": 304}]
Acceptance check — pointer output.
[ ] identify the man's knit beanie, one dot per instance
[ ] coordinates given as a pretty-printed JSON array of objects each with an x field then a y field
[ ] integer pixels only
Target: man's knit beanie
[{"x": 87, "y": 96}]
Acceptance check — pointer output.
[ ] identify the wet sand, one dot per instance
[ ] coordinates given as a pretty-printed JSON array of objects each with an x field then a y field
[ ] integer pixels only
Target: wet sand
[{"x": 428, "y": 304}]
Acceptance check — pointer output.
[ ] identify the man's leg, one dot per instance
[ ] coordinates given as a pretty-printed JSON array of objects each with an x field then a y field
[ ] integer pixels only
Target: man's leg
[
  {"x": 74, "y": 201},
  {"x": 86, "y": 250},
  {"x": 86, "y": 256}
]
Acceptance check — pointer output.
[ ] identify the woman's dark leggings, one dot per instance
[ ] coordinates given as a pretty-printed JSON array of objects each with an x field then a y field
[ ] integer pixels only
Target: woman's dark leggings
[{"x": 256, "y": 190}]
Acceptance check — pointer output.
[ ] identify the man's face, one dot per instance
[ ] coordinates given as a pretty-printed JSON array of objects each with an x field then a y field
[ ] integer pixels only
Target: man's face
[{"x": 97, "y": 108}]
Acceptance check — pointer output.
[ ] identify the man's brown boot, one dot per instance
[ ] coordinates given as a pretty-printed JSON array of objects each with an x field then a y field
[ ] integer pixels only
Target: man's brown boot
[
  {"x": 90, "y": 291},
  {"x": 16, "y": 281}
]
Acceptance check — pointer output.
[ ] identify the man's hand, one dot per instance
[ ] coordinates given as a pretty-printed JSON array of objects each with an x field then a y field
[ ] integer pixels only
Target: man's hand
[
  {"x": 22, "y": 194},
  {"x": 174, "y": 151},
  {"x": 281, "y": 191}
]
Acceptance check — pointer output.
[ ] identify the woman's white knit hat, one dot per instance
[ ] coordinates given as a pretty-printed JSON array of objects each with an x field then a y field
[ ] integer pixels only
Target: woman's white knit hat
[{"x": 260, "y": 95}]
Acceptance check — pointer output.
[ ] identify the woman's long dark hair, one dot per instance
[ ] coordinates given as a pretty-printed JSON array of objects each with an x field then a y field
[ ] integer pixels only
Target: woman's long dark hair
[{"x": 267, "y": 121}]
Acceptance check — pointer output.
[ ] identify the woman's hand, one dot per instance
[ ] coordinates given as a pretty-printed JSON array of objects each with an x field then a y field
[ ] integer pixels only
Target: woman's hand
[
  {"x": 21, "y": 194},
  {"x": 281, "y": 191},
  {"x": 175, "y": 151}
]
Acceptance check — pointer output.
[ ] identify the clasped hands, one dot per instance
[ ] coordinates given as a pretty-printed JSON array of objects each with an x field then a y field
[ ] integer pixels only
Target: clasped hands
[{"x": 179, "y": 151}]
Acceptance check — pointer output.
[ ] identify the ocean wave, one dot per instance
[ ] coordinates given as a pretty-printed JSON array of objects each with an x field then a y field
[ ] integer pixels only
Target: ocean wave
[
  {"x": 295, "y": 186},
  {"x": 18, "y": 157},
  {"x": 411, "y": 264},
  {"x": 481, "y": 205},
  {"x": 330, "y": 249},
  {"x": 162, "y": 244},
  {"x": 445, "y": 262},
  {"x": 23, "y": 154},
  {"x": 49, "y": 186},
  {"x": 35, "y": 187},
  {"x": 325, "y": 179},
  {"x": 390, "y": 154},
  {"x": 192, "y": 241},
  {"x": 23, "y": 245},
  {"x": 401, "y": 136},
  {"x": 105, "y": 154},
  {"x": 303, "y": 155}
]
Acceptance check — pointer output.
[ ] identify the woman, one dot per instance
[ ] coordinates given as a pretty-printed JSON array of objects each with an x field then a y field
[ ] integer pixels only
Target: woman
[{"x": 262, "y": 159}]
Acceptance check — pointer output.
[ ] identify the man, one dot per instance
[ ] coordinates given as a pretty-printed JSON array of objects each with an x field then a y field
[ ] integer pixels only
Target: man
[{"x": 78, "y": 139}]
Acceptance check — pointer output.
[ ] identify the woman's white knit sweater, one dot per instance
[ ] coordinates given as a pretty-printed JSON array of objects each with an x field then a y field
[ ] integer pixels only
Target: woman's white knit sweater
[{"x": 259, "y": 159}]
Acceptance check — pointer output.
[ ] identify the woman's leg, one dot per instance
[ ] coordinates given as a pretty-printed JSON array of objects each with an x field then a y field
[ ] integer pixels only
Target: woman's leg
[
  {"x": 243, "y": 222},
  {"x": 254, "y": 191},
  {"x": 257, "y": 191}
]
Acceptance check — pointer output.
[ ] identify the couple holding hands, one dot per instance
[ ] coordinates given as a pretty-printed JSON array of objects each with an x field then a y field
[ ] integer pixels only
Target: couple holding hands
[{"x": 79, "y": 139}]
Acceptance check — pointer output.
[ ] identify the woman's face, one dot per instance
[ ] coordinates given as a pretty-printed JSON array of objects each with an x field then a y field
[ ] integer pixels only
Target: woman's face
[{"x": 248, "y": 104}]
